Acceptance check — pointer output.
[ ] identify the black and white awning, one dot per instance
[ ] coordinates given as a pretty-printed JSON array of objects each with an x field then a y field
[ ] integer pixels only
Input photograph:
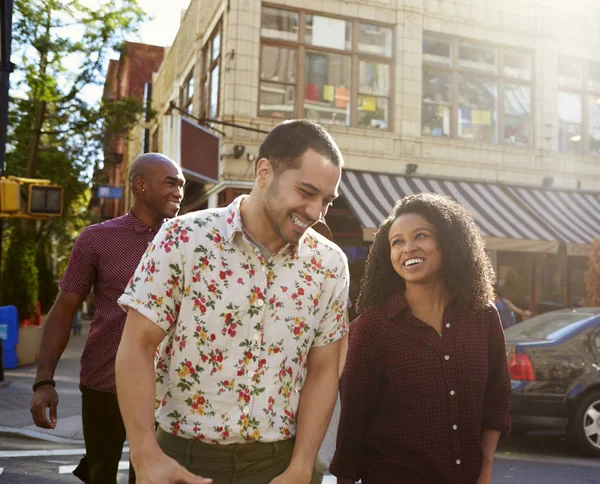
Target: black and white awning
[
  {"x": 504, "y": 222},
  {"x": 573, "y": 216}
]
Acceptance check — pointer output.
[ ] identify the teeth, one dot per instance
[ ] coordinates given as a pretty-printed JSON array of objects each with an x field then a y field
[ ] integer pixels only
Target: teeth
[
  {"x": 299, "y": 222},
  {"x": 174, "y": 203},
  {"x": 411, "y": 262}
]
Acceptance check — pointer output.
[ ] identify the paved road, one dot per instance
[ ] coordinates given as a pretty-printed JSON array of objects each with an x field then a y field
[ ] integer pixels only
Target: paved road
[{"x": 525, "y": 460}]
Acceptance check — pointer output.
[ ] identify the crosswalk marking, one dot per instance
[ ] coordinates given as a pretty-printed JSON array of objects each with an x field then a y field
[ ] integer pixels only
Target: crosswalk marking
[
  {"x": 44, "y": 453},
  {"x": 123, "y": 466}
]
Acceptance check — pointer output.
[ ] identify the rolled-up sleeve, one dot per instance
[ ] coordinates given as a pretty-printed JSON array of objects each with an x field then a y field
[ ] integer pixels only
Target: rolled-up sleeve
[
  {"x": 496, "y": 405},
  {"x": 157, "y": 287},
  {"x": 363, "y": 375}
]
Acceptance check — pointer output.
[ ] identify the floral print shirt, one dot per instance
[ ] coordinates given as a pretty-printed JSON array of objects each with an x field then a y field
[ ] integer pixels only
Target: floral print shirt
[{"x": 238, "y": 326}]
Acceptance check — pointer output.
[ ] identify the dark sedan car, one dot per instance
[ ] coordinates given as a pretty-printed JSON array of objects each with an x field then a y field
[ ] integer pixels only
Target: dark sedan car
[{"x": 554, "y": 363}]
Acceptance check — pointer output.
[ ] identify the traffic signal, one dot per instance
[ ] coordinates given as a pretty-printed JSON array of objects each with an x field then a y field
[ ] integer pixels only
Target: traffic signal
[
  {"x": 29, "y": 198},
  {"x": 45, "y": 200},
  {"x": 10, "y": 196}
]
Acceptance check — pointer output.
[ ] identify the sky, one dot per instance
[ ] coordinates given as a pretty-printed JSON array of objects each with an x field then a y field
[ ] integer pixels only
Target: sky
[
  {"x": 164, "y": 20},
  {"x": 166, "y": 14}
]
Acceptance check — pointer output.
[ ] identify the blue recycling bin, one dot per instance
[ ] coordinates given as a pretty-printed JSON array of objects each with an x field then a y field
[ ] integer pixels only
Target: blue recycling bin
[{"x": 9, "y": 334}]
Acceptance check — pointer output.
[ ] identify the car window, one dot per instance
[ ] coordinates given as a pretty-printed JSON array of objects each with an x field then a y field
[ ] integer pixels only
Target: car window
[{"x": 546, "y": 326}]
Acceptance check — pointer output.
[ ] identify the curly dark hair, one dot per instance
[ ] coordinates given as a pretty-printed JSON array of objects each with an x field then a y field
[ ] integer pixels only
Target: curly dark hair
[{"x": 466, "y": 267}]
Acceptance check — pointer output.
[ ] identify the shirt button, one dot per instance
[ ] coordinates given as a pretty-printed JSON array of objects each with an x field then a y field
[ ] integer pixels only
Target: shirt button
[
  {"x": 447, "y": 325},
  {"x": 452, "y": 393},
  {"x": 263, "y": 268},
  {"x": 455, "y": 427},
  {"x": 246, "y": 410},
  {"x": 457, "y": 462},
  {"x": 446, "y": 357},
  {"x": 256, "y": 337},
  {"x": 260, "y": 303}
]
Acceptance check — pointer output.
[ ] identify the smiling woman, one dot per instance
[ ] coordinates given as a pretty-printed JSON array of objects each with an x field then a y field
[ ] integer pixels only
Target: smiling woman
[
  {"x": 426, "y": 368},
  {"x": 465, "y": 265}
]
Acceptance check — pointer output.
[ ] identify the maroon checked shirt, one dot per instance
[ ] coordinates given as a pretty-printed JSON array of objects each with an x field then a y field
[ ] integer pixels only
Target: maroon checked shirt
[
  {"x": 414, "y": 404},
  {"x": 104, "y": 257}
]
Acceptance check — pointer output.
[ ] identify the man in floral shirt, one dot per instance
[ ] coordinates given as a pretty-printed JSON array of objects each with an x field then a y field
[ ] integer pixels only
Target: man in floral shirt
[{"x": 242, "y": 310}]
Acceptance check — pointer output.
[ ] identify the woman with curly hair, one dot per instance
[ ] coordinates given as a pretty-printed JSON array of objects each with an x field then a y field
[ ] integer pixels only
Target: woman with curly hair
[{"x": 426, "y": 389}]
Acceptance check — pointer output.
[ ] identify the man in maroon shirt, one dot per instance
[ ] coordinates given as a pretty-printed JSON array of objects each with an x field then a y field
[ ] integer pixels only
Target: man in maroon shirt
[{"x": 104, "y": 257}]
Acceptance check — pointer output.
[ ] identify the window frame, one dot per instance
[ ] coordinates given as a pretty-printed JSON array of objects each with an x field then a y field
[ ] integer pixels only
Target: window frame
[
  {"x": 185, "y": 101},
  {"x": 454, "y": 70},
  {"x": 584, "y": 92},
  {"x": 302, "y": 47},
  {"x": 208, "y": 66}
]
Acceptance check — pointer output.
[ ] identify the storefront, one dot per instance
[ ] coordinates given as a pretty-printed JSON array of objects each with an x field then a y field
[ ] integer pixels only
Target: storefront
[{"x": 538, "y": 239}]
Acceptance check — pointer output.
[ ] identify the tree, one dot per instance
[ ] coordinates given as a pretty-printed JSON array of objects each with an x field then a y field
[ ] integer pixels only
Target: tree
[
  {"x": 20, "y": 275},
  {"x": 57, "y": 122},
  {"x": 592, "y": 276}
]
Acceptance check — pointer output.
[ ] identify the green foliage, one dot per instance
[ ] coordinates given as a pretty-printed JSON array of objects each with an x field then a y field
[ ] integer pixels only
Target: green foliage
[
  {"x": 592, "y": 276},
  {"x": 57, "y": 123},
  {"x": 20, "y": 275}
]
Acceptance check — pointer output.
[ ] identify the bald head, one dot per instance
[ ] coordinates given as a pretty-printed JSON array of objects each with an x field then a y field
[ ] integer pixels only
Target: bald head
[{"x": 144, "y": 165}]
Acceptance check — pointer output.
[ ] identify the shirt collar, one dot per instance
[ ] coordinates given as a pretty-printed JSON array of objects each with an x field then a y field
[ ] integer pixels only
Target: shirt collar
[
  {"x": 395, "y": 304},
  {"x": 234, "y": 226},
  {"x": 138, "y": 225}
]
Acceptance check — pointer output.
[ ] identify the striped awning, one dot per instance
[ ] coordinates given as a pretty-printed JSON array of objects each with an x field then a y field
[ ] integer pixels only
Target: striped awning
[
  {"x": 573, "y": 216},
  {"x": 503, "y": 221}
]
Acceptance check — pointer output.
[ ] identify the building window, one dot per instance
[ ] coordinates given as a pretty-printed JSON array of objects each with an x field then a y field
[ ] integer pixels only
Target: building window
[
  {"x": 578, "y": 106},
  {"x": 277, "y": 82},
  {"x": 211, "y": 71},
  {"x": 186, "y": 97},
  {"x": 476, "y": 92},
  {"x": 346, "y": 68}
]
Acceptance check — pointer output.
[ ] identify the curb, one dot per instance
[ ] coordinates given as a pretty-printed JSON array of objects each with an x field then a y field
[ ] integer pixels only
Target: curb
[{"x": 34, "y": 434}]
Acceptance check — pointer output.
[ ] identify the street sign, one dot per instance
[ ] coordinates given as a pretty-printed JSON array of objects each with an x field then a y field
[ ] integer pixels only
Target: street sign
[{"x": 110, "y": 192}]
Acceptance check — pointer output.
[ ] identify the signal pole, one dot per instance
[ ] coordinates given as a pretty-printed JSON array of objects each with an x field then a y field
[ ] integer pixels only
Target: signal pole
[{"x": 6, "y": 67}]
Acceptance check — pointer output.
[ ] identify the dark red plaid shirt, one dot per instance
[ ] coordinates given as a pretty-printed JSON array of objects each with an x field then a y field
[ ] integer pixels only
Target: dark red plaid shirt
[
  {"x": 104, "y": 257},
  {"x": 414, "y": 404}
]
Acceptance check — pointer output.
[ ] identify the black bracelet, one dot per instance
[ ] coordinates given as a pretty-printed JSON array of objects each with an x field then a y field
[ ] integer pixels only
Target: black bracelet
[{"x": 40, "y": 383}]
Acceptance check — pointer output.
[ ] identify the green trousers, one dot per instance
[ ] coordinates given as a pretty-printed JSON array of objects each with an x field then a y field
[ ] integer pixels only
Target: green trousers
[{"x": 252, "y": 463}]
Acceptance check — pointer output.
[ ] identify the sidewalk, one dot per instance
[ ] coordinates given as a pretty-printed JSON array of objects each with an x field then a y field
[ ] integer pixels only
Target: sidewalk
[{"x": 15, "y": 398}]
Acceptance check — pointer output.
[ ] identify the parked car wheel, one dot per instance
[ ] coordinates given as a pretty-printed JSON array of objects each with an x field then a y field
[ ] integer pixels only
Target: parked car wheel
[{"x": 584, "y": 427}]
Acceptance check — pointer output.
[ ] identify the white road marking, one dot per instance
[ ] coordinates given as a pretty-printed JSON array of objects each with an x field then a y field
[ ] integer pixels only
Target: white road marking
[
  {"x": 1, "y": 470},
  {"x": 21, "y": 374},
  {"x": 123, "y": 466},
  {"x": 44, "y": 453}
]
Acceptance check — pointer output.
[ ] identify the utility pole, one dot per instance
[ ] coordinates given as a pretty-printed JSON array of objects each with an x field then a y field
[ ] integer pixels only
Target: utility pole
[{"x": 6, "y": 67}]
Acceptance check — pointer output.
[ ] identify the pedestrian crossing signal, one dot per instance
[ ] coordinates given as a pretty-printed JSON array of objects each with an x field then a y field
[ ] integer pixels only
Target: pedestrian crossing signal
[
  {"x": 30, "y": 198},
  {"x": 45, "y": 200}
]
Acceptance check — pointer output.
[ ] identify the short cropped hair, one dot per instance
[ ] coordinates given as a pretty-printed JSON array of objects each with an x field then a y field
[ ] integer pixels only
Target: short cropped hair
[{"x": 287, "y": 142}]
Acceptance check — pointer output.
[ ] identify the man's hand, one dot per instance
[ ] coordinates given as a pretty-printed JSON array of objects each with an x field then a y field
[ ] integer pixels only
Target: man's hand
[
  {"x": 292, "y": 476},
  {"x": 161, "y": 469},
  {"x": 44, "y": 397}
]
